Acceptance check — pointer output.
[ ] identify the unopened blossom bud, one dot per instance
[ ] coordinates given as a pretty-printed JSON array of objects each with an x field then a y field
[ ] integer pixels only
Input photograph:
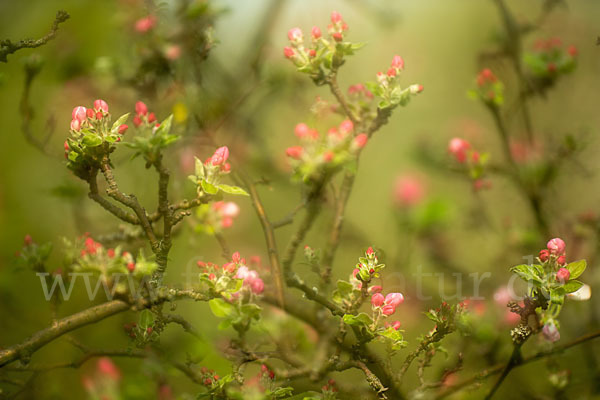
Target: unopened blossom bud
[
  {"x": 346, "y": 126},
  {"x": 301, "y": 130},
  {"x": 394, "y": 299},
  {"x": 122, "y": 129},
  {"x": 90, "y": 113},
  {"x": 144, "y": 25},
  {"x": 221, "y": 155},
  {"x": 556, "y": 246},
  {"x": 100, "y": 105},
  {"x": 315, "y": 32},
  {"x": 370, "y": 251},
  {"x": 295, "y": 35},
  {"x": 544, "y": 255},
  {"x": 141, "y": 108},
  {"x": 288, "y": 52},
  {"x": 361, "y": 140},
  {"x": 415, "y": 89},
  {"x": 397, "y": 62},
  {"x": 562, "y": 260},
  {"x": 75, "y": 125},
  {"x": 137, "y": 121},
  {"x": 151, "y": 117},
  {"x": 328, "y": 156},
  {"x": 107, "y": 368},
  {"x": 396, "y": 325},
  {"x": 79, "y": 113},
  {"x": 66, "y": 145},
  {"x": 99, "y": 115},
  {"x": 336, "y": 17},
  {"x": 229, "y": 267},
  {"x": 236, "y": 257},
  {"x": 572, "y": 50},
  {"x": 28, "y": 240},
  {"x": 563, "y": 275},
  {"x": 388, "y": 309},
  {"x": 375, "y": 289},
  {"x": 226, "y": 167},
  {"x": 295, "y": 152},
  {"x": 550, "y": 332},
  {"x": 337, "y": 36},
  {"x": 377, "y": 300},
  {"x": 257, "y": 285},
  {"x": 458, "y": 147},
  {"x": 391, "y": 72},
  {"x": 408, "y": 191},
  {"x": 130, "y": 266}
]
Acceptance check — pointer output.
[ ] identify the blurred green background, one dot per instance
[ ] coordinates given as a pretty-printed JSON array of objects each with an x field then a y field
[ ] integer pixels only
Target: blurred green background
[{"x": 439, "y": 41}]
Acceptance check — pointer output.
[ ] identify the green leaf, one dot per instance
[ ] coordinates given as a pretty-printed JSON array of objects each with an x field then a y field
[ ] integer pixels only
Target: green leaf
[
  {"x": 92, "y": 140},
  {"x": 361, "y": 319},
  {"x": 165, "y": 126},
  {"x": 529, "y": 273},
  {"x": 557, "y": 296},
  {"x": 226, "y": 323},
  {"x": 233, "y": 190},
  {"x": 251, "y": 310},
  {"x": 146, "y": 319},
  {"x": 576, "y": 268},
  {"x": 120, "y": 121},
  {"x": 572, "y": 286},
  {"x": 199, "y": 168},
  {"x": 209, "y": 188},
  {"x": 220, "y": 308}
]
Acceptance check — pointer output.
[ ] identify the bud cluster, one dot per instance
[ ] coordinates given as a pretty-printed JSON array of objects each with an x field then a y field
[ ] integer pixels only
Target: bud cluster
[
  {"x": 488, "y": 89},
  {"x": 473, "y": 161},
  {"x": 550, "y": 59},
  {"x": 368, "y": 267},
  {"x": 388, "y": 86},
  {"x": 207, "y": 176},
  {"x": 321, "y": 154},
  {"x": 213, "y": 218},
  {"x": 233, "y": 279}
]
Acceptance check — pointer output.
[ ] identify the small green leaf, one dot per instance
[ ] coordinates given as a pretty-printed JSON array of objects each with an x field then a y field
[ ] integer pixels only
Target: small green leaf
[
  {"x": 92, "y": 140},
  {"x": 572, "y": 286},
  {"x": 120, "y": 121},
  {"x": 209, "y": 188},
  {"x": 220, "y": 308},
  {"x": 233, "y": 190},
  {"x": 226, "y": 323},
  {"x": 361, "y": 319},
  {"x": 557, "y": 296},
  {"x": 576, "y": 268},
  {"x": 146, "y": 319},
  {"x": 199, "y": 168}
]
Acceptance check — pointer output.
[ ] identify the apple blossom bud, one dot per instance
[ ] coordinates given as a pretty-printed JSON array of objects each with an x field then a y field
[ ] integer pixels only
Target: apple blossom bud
[
  {"x": 257, "y": 286},
  {"x": 28, "y": 240},
  {"x": 90, "y": 113},
  {"x": 130, "y": 266},
  {"x": 173, "y": 52},
  {"x": 226, "y": 167},
  {"x": 388, "y": 310},
  {"x": 562, "y": 260},
  {"x": 336, "y": 17},
  {"x": 370, "y": 251},
  {"x": 415, "y": 89},
  {"x": 377, "y": 300},
  {"x": 391, "y": 72},
  {"x": 572, "y": 50},
  {"x": 79, "y": 113},
  {"x": 328, "y": 156},
  {"x": 144, "y": 25},
  {"x": 315, "y": 33},
  {"x": 107, "y": 368},
  {"x": 458, "y": 147},
  {"x": 295, "y": 35},
  {"x": 394, "y": 299},
  {"x": 361, "y": 140},
  {"x": 556, "y": 246},
  {"x": 236, "y": 257},
  {"x": 551, "y": 67},
  {"x": 137, "y": 121},
  {"x": 346, "y": 126},
  {"x": 563, "y": 275},
  {"x": 151, "y": 117},
  {"x": 408, "y": 191},
  {"x": 122, "y": 129},
  {"x": 337, "y": 36},
  {"x": 221, "y": 155},
  {"x": 99, "y": 115},
  {"x": 295, "y": 152},
  {"x": 550, "y": 332},
  {"x": 100, "y": 105},
  {"x": 141, "y": 108},
  {"x": 288, "y": 52},
  {"x": 75, "y": 125},
  {"x": 301, "y": 130},
  {"x": 398, "y": 62},
  {"x": 229, "y": 267},
  {"x": 396, "y": 325},
  {"x": 375, "y": 289},
  {"x": 544, "y": 255}
]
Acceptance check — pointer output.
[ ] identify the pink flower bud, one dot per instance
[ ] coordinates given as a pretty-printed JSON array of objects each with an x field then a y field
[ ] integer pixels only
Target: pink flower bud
[
  {"x": 328, "y": 156},
  {"x": 563, "y": 275},
  {"x": 295, "y": 152},
  {"x": 257, "y": 286},
  {"x": 28, "y": 240},
  {"x": 66, "y": 145},
  {"x": 107, "y": 368},
  {"x": 550, "y": 332},
  {"x": 122, "y": 129},
  {"x": 130, "y": 266},
  {"x": 361, "y": 140},
  {"x": 151, "y": 117},
  {"x": 90, "y": 113},
  {"x": 137, "y": 121},
  {"x": 397, "y": 62},
  {"x": 562, "y": 260},
  {"x": 336, "y": 17},
  {"x": 377, "y": 300},
  {"x": 141, "y": 108},
  {"x": 388, "y": 309},
  {"x": 370, "y": 251},
  {"x": 337, "y": 36},
  {"x": 99, "y": 115},
  {"x": 415, "y": 89},
  {"x": 229, "y": 267},
  {"x": 236, "y": 257},
  {"x": 230, "y": 209},
  {"x": 226, "y": 222},
  {"x": 173, "y": 52},
  {"x": 572, "y": 50},
  {"x": 221, "y": 155},
  {"x": 242, "y": 272},
  {"x": 288, "y": 52},
  {"x": 394, "y": 299},
  {"x": 226, "y": 167},
  {"x": 396, "y": 325},
  {"x": 485, "y": 76},
  {"x": 295, "y": 35},
  {"x": 79, "y": 113},
  {"x": 143, "y": 25},
  {"x": 544, "y": 255},
  {"x": 110, "y": 253},
  {"x": 100, "y": 105},
  {"x": 556, "y": 246},
  {"x": 75, "y": 125},
  {"x": 458, "y": 147},
  {"x": 408, "y": 191},
  {"x": 391, "y": 72},
  {"x": 315, "y": 32},
  {"x": 375, "y": 289},
  {"x": 312, "y": 53},
  {"x": 346, "y": 126},
  {"x": 301, "y": 130}
]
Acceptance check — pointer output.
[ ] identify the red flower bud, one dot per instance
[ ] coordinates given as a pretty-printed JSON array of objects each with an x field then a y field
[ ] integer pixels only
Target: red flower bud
[
  {"x": 377, "y": 300},
  {"x": 398, "y": 62},
  {"x": 141, "y": 108},
  {"x": 99, "y": 115},
  {"x": 458, "y": 147},
  {"x": 75, "y": 125},
  {"x": 563, "y": 275},
  {"x": 572, "y": 50},
  {"x": 122, "y": 129},
  {"x": 361, "y": 140},
  {"x": 346, "y": 126},
  {"x": 370, "y": 251},
  {"x": 220, "y": 156},
  {"x": 561, "y": 260},
  {"x": 388, "y": 309},
  {"x": 28, "y": 240},
  {"x": 137, "y": 121},
  {"x": 328, "y": 156},
  {"x": 151, "y": 117},
  {"x": 110, "y": 253},
  {"x": 336, "y": 17},
  {"x": 295, "y": 35},
  {"x": 288, "y": 52},
  {"x": 312, "y": 53},
  {"x": 337, "y": 36},
  {"x": 100, "y": 105},
  {"x": 391, "y": 72},
  {"x": 301, "y": 130},
  {"x": 394, "y": 299},
  {"x": 375, "y": 289},
  {"x": 131, "y": 266},
  {"x": 315, "y": 32},
  {"x": 544, "y": 255},
  {"x": 90, "y": 113},
  {"x": 294, "y": 152},
  {"x": 79, "y": 113}
]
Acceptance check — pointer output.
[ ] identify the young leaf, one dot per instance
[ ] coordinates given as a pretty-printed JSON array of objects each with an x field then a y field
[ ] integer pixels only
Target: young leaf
[
  {"x": 220, "y": 308},
  {"x": 209, "y": 188},
  {"x": 361, "y": 319},
  {"x": 233, "y": 190},
  {"x": 146, "y": 319},
  {"x": 92, "y": 140},
  {"x": 572, "y": 286},
  {"x": 120, "y": 121},
  {"x": 576, "y": 268}
]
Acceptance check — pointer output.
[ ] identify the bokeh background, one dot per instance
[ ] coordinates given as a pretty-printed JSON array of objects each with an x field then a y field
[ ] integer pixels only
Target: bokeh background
[{"x": 253, "y": 109}]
